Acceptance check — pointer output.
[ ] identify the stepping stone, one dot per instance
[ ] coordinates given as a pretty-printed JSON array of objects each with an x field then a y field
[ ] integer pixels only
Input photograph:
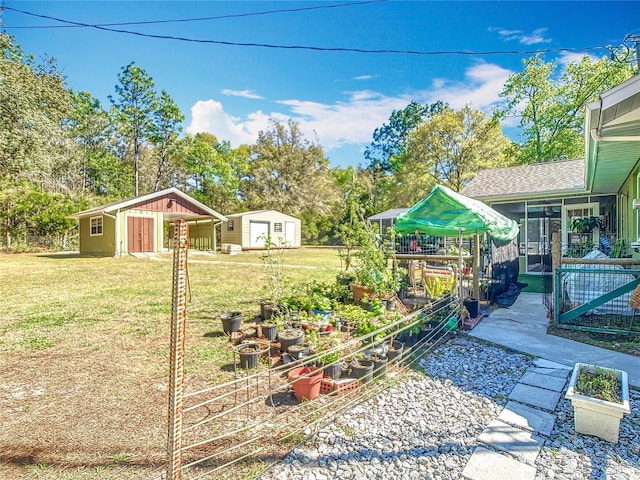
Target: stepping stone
[
  {"x": 527, "y": 418},
  {"x": 485, "y": 464},
  {"x": 553, "y": 372},
  {"x": 541, "y": 362},
  {"x": 518, "y": 443},
  {"x": 543, "y": 381},
  {"x": 534, "y": 396}
]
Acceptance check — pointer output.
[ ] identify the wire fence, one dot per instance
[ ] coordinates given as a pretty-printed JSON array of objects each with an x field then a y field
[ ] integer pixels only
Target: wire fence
[
  {"x": 244, "y": 425},
  {"x": 595, "y": 296}
]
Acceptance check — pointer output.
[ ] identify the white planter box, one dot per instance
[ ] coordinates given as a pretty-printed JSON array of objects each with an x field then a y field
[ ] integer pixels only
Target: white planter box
[{"x": 593, "y": 416}]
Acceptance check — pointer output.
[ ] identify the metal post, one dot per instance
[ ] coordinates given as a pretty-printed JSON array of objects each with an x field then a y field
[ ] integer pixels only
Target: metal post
[
  {"x": 176, "y": 354},
  {"x": 476, "y": 267}
]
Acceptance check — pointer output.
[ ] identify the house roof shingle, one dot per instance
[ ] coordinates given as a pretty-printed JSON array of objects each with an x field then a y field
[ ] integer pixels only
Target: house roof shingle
[{"x": 533, "y": 180}]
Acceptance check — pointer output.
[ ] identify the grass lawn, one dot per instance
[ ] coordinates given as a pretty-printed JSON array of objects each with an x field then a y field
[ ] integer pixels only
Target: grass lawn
[{"x": 84, "y": 354}]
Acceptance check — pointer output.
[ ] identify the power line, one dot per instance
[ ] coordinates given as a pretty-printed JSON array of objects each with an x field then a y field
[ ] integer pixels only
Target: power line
[
  {"x": 310, "y": 47},
  {"x": 186, "y": 20}
]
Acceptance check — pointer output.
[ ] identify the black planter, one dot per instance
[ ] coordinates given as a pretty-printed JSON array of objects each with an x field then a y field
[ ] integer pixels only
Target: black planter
[
  {"x": 395, "y": 353},
  {"x": 297, "y": 351},
  {"x": 332, "y": 371},
  {"x": 268, "y": 310},
  {"x": 269, "y": 331},
  {"x": 473, "y": 306},
  {"x": 249, "y": 354},
  {"x": 380, "y": 365},
  {"x": 231, "y": 322},
  {"x": 363, "y": 370},
  {"x": 291, "y": 336}
]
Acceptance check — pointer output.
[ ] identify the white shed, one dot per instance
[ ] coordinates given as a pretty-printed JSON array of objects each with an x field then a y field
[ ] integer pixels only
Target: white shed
[{"x": 250, "y": 229}]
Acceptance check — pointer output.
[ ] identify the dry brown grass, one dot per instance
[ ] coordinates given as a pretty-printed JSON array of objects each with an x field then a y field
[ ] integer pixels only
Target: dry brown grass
[{"x": 84, "y": 355}]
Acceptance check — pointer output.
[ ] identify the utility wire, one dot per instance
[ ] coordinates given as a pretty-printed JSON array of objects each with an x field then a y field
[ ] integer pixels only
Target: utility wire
[
  {"x": 186, "y": 20},
  {"x": 315, "y": 48}
]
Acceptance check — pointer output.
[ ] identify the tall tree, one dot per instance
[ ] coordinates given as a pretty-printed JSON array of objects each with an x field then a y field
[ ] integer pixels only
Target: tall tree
[
  {"x": 33, "y": 104},
  {"x": 449, "y": 149},
  {"x": 551, "y": 104},
  {"x": 213, "y": 170},
  {"x": 135, "y": 107},
  {"x": 288, "y": 173},
  {"x": 168, "y": 119},
  {"x": 92, "y": 128},
  {"x": 390, "y": 140}
]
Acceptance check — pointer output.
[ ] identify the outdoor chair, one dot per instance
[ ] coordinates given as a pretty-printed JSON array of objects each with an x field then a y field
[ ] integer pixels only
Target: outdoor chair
[{"x": 414, "y": 271}]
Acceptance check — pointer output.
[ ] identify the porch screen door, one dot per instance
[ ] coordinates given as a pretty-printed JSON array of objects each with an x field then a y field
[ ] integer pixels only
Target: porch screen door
[{"x": 579, "y": 210}]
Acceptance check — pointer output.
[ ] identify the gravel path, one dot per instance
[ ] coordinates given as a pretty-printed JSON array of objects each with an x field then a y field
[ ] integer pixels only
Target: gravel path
[{"x": 427, "y": 426}]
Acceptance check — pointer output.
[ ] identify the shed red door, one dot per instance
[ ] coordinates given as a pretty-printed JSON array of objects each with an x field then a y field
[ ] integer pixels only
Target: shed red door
[{"x": 140, "y": 234}]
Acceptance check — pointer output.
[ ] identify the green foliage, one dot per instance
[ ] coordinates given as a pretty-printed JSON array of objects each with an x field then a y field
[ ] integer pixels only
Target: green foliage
[
  {"x": 375, "y": 266},
  {"x": 449, "y": 149},
  {"x": 619, "y": 249},
  {"x": 390, "y": 140},
  {"x": 599, "y": 383},
  {"x": 551, "y": 105},
  {"x": 584, "y": 224},
  {"x": 272, "y": 260},
  {"x": 437, "y": 286},
  {"x": 134, "y": 108},
  {"x": 288, "y": 173}
]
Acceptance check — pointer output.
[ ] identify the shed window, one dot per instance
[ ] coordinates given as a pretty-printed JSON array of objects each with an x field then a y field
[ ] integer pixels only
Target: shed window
[
  {"x": 230, "y": 226},
  {"x": 96, "y": 225},
  {"x": 277, "y": 227}
]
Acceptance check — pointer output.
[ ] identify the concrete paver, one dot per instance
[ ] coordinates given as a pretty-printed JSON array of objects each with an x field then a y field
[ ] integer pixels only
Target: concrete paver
[
  {"x": 523, "y": 327},
  {"x": 527, "y": 418},
  {"x": 486, "y": 464},
  {"x": 520, "y": 444},
  {"x": 534, "y": 396},
  {"x": 543, "y": 381},
  {"x": 554, "y": 372}
]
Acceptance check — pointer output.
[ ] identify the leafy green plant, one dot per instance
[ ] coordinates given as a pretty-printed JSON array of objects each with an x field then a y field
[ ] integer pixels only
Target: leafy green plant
[
  {"x": 584, "y": 224},
  {"x": 599, "y": 383},
  {"x": 437, "y": 286},
  {"x": 619, "y": 248},
  {"x": 272, "y": 260}
]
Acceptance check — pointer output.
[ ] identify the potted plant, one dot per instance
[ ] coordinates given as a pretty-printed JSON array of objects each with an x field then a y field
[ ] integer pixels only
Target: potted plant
[
  {"x": 231, "y": 322},
  {"x": 290, "y": 336},
  {"x": 584, "y": 224},
  {"x": 351, "y": 230},
  {"x": 249, "y": 354},
  {"x": 306, "y": 382},
  {"x": 272, "y": 264},
  {"x": 330, "y": 357},
  {"x": 600, "y": 397}
]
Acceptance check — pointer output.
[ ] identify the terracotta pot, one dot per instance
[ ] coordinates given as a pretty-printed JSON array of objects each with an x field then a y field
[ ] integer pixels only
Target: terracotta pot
[{"x": 306, "y": 382}]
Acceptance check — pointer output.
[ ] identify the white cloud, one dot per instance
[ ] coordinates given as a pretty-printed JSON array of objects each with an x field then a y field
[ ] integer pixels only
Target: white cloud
[
  {"x": 364, "y": 77},
  {"x": 566, "y": 58},
  {"x": 241, "y": 93},
  {"x": 533, "y": 38},
  {"x": 481, "y": 87},
  {"x": 209, "y": 116},
  {"x": 352, "y": 119}
]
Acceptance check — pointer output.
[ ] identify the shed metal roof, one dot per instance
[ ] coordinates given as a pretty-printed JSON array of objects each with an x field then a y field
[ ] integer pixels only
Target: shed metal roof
[{"x": 124, "y": 204}]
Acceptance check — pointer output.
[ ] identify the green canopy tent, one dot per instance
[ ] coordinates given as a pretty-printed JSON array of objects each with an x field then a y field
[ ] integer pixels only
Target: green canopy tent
[{"x": 445, "y": 213}]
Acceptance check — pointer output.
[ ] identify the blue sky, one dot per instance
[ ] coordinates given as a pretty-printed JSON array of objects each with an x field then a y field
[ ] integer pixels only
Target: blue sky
[{"x": 337, "y": 97}]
